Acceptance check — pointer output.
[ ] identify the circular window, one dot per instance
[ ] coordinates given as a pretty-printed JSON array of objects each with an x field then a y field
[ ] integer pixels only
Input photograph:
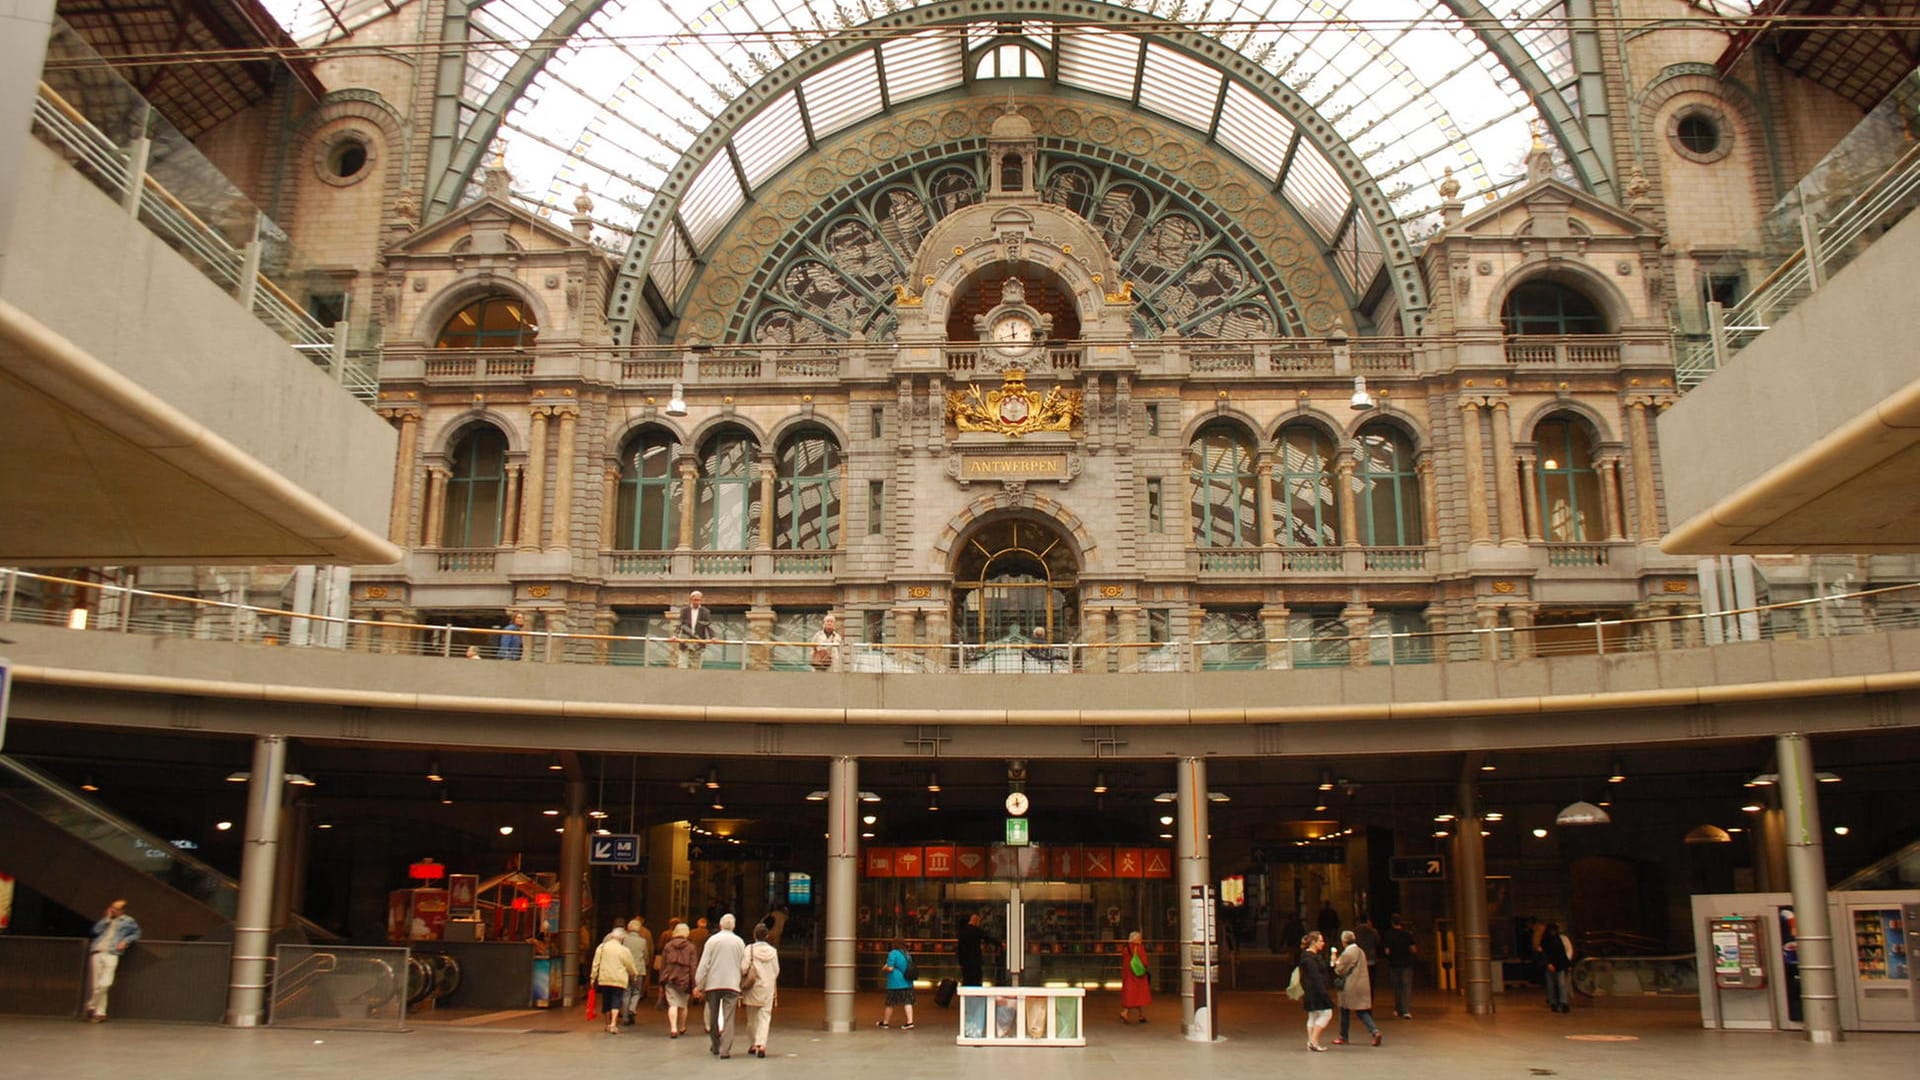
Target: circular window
[
  {"x": 1700, "y": 134},
  {"x": 345, "y": 157},
  {"x": 348, "y": 159}
]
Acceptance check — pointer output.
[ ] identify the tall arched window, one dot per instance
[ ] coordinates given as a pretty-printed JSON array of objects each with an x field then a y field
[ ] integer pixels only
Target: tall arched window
[
  {"x": 497, "y": 322},
  {"x": 1569, "y": 485},
  {"x": 647, "y": 506},
  {"x": 1304, "y": 511},
  {"x": 476, "y": 490},
  {"x": 806, "y": 499},
  {"x": 1223, "y": 489},
  {"x": 727, "y": 501},
  {"x": 1548, "y": 307},
  {"x": 1389, "y": 488}
]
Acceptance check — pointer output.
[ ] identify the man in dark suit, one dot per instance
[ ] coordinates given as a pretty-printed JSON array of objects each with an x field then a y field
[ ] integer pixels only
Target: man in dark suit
[{"x": 691, "y": 630}]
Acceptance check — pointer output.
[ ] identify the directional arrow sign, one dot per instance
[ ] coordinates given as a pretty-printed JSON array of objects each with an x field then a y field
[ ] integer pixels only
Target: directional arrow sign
[
  {"x": 614, "y": 850},
  {"x": 1417, "y": 868}
]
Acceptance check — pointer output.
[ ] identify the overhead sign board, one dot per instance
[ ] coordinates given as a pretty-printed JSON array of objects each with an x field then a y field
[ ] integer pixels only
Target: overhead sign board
[
  {"x": 1299, "y": 854},
  {"x": 1417, "y": 868},
  {"x": 615, "y": 850},
  {"x": 1017, "y": 832}
]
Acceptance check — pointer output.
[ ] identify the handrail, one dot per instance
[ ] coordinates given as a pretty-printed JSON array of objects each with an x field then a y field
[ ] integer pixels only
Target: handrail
[{"x": 931, "y": 657}]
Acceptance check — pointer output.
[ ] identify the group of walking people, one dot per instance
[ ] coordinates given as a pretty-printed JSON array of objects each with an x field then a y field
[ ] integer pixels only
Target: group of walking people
[{"x": 720, "y": 971}]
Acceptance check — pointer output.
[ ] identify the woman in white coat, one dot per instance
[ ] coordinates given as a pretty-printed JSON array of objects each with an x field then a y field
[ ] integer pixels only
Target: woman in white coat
[
  {"x": 612, "y": 970},
  {"x": 760, "y": 981},
  {"x": 1355, "y": 988}
]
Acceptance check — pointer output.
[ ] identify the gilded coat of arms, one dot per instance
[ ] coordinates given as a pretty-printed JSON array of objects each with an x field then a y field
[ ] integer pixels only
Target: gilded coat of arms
[{"x": 1013, "y": 409}]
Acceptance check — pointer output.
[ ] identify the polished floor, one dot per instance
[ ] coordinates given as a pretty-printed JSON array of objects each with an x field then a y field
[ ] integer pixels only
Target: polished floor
[{"x": 1606, "y": 1039}]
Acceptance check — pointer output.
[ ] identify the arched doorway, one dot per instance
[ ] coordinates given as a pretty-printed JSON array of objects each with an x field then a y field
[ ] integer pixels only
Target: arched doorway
[{"x": 1013, "y": 575}]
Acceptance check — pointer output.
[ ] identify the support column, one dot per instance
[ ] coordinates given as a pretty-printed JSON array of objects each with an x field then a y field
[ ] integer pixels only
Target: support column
[
  {"x": 562, "y": 536},
  {"x": 903, "y": 626},
  {"x": 767, "y": 475},
  {"x": 1530, "y": 497},
  {"x": 1506, "y": 479},
  {"x": 1645, "y": 497},
  {"x": 1129, "y": 633},
  {"x": 403, "y": 465},
  {"x": 689, "y": 488},
  {"x": 843, "y": 879},
  {"x": 535, "y": 484},
  {"x": 436, "y": 504},
  {"x": 248, "y": 973},
  {"x": 573, "y": 872},
  {"x": 1343, "y": 470},
  {"x": 1263, "y": 494},
  {"x": 1522, "y": 620},
  {"x": 1475, "y": 467},
  {"x": 1429, "y": 503},
  {"x": 1610, "y": 498},
  {"x": 510, "y": 509},
  {"x": 609, "y": 506},
  {"x": 1807, "y": 872},
  {"x": 759, "y": 633},
  {"x": 1273, "y": 624},
  {"x": 1475, "y": 955},
  {"x": 1191, "y": 851},
  {"x": 1359, "y": 622}
]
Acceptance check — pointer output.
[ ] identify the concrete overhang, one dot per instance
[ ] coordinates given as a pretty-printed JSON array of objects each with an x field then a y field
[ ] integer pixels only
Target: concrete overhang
[
  {"x": 103, "y": 471},
  {"x": 1808, "y": 441}
]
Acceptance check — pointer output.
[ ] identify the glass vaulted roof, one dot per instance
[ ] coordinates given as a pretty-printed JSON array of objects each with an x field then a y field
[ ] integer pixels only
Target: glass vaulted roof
[{"x": 1409, "y": 85}]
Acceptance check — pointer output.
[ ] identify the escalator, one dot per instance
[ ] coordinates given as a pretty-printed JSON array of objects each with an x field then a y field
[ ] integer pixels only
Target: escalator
[{"x": 81, "y": 856}]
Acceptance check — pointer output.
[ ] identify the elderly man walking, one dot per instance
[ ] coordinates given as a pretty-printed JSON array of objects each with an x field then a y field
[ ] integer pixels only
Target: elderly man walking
[{"x": 717, "y": 981}]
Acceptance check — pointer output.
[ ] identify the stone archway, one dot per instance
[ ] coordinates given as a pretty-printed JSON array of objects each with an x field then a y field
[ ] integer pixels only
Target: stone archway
[{"x": 1013, "y": 574}]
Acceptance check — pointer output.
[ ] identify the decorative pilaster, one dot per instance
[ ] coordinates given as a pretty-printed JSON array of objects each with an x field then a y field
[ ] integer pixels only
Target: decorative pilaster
[
  {"x": 767, "y": 476},
  {"x": 562, "y": 536},
  {"x": 531, "y": 491},
  {"x": 437, "y": 477},
  {"x": 1129, "y": 618},
  {"x": 1475, "y": 467},
  {"x": 689, "y": 487},
  {"x": 1263, "y": 494},
  {"x": 1609, "y": 467},
  {"x": 1343, "y": 468},
  {"x": 1522, "y": 619},
  {"x": 1359, "y": 620},
  {"x": 510, "y": 516},
  {"x": 1506, "y": 479},
  {"x": 1429, "y": 502},
  {"x": 1273, "y": 624},
  {"x": 1645, "y": 496},
  {"x": 609, "y": 505},
  {"x": 403, "y": 471},
  {"x": 759, "y": 634},
  {"x": 1530, "y": 496}
]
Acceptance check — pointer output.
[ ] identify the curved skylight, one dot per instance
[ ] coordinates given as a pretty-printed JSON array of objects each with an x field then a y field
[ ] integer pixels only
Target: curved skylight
[{"x": 1409, "y": 85}]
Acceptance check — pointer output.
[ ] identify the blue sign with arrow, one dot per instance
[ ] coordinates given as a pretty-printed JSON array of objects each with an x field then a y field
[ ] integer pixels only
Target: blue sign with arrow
[{"x": 621, "y": 850}]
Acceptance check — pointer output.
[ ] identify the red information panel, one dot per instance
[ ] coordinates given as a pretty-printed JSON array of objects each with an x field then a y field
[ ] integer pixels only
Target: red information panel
[
  {"x": 970, "y": 862},
  {"x": 1096, "y": 862},
  {"x": 1066, "y": 862},
  {"x": 1003, "y": 862},
  {"x": 879, "y": 862},
  {"x": 906, "y": 862},
  {"x": 1159, "y": 863},
  {"x": 1129, "y": 862},
  {"x": 939, "y": 862}
]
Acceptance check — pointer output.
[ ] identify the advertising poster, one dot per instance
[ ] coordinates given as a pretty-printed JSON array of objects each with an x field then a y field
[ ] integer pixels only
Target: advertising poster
[{"x": 1790, "y": 960}]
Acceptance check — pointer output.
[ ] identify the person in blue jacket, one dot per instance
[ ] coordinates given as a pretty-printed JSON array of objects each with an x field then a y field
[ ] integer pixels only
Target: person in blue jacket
[
  {"x": 112, "y": 936},
  {"x": 899, "y": 985}
]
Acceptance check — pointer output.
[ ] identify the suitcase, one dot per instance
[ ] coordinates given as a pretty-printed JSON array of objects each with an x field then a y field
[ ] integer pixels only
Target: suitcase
[{"x": 943, "y": 994}]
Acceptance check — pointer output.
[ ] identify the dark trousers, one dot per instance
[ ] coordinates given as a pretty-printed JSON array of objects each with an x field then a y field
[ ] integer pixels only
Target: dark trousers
[
  {"x": 1366, "y": 1017},
  {"x": 1402, "y": 991},
  {"x": 970, "y": 974}
]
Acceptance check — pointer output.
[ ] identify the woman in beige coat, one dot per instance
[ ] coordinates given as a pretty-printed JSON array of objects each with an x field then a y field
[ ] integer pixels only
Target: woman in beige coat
[
  {"x": 613, "y": 968},
  {"x": 1356, "y": 992},
  {"x": 763, "y": 964}
]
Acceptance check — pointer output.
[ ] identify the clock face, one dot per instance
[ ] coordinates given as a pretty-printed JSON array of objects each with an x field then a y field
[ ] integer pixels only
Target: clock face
[
  {"x": 1013, "y": 333},
  {"x": 1017, "y": 803}
]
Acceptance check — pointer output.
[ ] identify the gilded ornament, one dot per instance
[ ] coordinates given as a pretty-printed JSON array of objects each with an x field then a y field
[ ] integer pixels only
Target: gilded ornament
[
  {"x": 1123, "y": 295},
  {"x": 1503, "y": 586},
  {"x": 376, "y": 592},
  {"x": 539, "y": 592},
  {"x": 1112, "y": 592},
  {"x": 1678, "y": 585},
  {"x": 919, "y": 592},
  {"x": 904, "y": 297},
  {"x": 1013, "y": 410}
]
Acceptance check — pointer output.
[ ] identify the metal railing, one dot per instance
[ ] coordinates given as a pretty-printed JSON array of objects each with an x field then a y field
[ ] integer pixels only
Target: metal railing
[
  {"x": 155, "y": 172},
  {"x": 161, "y": 614}
]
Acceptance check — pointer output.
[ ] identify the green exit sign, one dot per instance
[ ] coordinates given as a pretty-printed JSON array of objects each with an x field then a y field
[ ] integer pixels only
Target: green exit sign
[{"x": 1016, "y": 832}]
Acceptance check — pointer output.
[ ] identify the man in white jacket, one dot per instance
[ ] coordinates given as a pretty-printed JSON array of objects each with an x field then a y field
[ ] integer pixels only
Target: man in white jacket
[{"x": 717, "y": 982}]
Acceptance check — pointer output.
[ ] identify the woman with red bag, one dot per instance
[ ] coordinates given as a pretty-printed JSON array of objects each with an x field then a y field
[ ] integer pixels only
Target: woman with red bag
[{"x": 1136, "y": 982}]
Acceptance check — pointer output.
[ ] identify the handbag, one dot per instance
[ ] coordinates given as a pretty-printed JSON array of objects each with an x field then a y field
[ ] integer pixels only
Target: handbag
[
  {"x": 1137, "y": 966},
  {"x": 1339, "y": 982},
  {"x": 822, "y": 658},
  {"x": 1294, "y": 989},
  {"x": 750, "y": 977}
]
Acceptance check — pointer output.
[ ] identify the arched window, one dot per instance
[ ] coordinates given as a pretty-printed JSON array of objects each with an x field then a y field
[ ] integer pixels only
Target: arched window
[
  {"x": 1304, "y": 511},
  {"x": 647, "y": 506},
  {"x": 497, "y": 322},
  {"x": 1223, "y": 489},
  {"x": 476, "y": 490},
  {"x": 1548, "y": 307},
  {"x": 1389, "y": 495},
  {"x": 1569, "y": 484},
  {"x": 806, "y": 493},
  {"x": 727, "y": 501}
]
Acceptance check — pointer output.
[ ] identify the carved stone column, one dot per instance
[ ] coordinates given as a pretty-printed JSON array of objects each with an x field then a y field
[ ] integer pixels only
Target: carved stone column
[
  {"x": 562, "y": 536},
  {"x": 1429, "y": 502},
  {"x": 1475, "y": 468},
  {"x": 1610, "y": 497},
  {"x": 1488, "y": 617},
  {"x": 553, "y": 649},
  {"x": 940, "y": 632},
  {"x": 1094, "y": 632},
  {"x": 1522, "y": 619},
  {"x": 1646, "y": 500},
  {"x": 1263, "y": 494},
  {"x": 689, "y": 488},
  {"x": 1129, "y": 618},
  {"x": 903, "y": 628},
  {"x": 767, "y": 476},
  {"x": 510, "y": 509},
  {"x": 759, "y": 633},
  {"x": 609, "y": 505},
  {"x": 1343, "y": 502},
  {"x": 1359, "y": 620},
  {"x": 1530, "y": 496},
  {"x": 604, "y": 620},
  {"x": 1273, "y": 624},
  {"x": 437, "y": 478},
  {"x": 403, "y": 472},
  {"x": 1506, "y": 479},
  {"x": 531, "y": 507}
]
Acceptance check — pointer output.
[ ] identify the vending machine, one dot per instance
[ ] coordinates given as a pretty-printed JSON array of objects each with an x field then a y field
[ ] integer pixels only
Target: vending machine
[{"x": 1887, "y": 985}]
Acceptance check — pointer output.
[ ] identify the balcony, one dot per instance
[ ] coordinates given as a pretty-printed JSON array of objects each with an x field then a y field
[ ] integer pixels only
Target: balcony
[
  {"x": 1396, "y": 559},
  {"x": 1312, "y": 560},
  {"x": 1578, "y": 555},
  {"x": 1563, "y": 351},
  {"x": 466, "y": 560}
]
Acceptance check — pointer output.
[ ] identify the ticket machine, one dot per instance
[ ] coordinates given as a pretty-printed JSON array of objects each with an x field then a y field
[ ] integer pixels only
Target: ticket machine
[{"x": 1886, "y": 979}]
